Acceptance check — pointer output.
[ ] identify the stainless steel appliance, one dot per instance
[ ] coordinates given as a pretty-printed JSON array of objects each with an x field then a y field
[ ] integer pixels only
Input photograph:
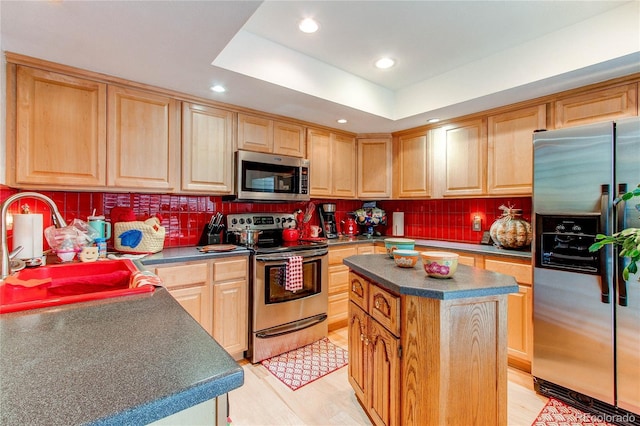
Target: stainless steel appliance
[
  {"x": 282, "y": 320},
  {"x": 586, "y": 318},
  {"x": 328, "y": 220},
  {"x": 271, "y": 177}
]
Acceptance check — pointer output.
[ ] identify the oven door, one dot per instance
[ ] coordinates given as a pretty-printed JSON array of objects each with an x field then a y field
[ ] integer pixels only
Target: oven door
[{"x": 273, "y": 305}]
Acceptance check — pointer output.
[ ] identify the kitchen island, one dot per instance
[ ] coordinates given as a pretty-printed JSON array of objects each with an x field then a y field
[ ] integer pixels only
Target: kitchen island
[
  {"x": 127, "y": 360},
  {"x": 427, "y": 351}
]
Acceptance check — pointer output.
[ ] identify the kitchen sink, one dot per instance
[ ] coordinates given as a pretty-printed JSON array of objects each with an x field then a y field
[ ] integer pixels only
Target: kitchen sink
[{"x": 66, "y": 283}]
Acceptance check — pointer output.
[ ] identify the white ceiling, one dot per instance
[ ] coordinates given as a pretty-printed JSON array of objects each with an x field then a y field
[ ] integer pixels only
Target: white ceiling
[{"x": 453, "y": 57}]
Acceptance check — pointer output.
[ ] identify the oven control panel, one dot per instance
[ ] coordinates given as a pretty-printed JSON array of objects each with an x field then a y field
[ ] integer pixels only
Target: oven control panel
[{"x": 260, "y": 221}]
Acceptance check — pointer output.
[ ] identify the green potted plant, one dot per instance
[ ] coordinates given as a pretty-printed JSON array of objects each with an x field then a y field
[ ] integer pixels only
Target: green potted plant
[{"x": 628, "y": 239}]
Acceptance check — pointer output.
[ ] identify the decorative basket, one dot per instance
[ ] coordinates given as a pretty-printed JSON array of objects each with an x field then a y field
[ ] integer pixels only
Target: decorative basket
[
  {"x": 139, "y": 237},
  {"x": 510, "y": 230}
]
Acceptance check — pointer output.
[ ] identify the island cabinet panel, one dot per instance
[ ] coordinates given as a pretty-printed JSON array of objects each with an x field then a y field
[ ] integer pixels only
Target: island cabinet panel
[
  {"x": 143, "y": 149},
  {"x": 357, "y": 329},
  {"x": 454, "y": 361},
  {"x": 595, "y": 106},
  {"x": 207, "y": 149},
  {"x": 61, "y": 133}
]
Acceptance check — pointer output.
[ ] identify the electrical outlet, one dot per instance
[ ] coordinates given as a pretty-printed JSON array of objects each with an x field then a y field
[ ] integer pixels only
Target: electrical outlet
[{"x": 476, "y": 225}]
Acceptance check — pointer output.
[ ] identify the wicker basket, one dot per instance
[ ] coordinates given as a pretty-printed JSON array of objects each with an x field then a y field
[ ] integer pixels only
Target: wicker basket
[{"x": 139, "y": 237}]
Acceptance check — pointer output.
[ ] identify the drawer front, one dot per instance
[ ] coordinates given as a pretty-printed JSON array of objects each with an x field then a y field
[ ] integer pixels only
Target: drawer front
[
  {"x": 359, "y": 290},
  {"x": 338, "y": 279},
  {"x": 521, "y": 271},
  {"x": 337, "y": 255},
  {"x": 337, "y": 309},
  {"x": 183, "y": 275},
  {"x": 385, "y": 308},
  {"x": 366, "y": 249},
  {"x": 232, "y": 268}
]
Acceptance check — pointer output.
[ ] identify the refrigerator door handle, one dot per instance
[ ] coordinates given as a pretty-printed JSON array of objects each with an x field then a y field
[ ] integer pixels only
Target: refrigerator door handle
[
  {"x": 604, "y": 221},
  {"x": 621, "y": 220}
]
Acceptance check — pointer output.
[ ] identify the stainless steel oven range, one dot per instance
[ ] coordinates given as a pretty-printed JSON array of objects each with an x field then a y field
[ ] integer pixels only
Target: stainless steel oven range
[{"x": 282, "y": 319}]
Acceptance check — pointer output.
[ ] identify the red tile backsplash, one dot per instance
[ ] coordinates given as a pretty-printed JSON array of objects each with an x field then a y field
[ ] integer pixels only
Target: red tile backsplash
[{"x": 184, "y": 216}]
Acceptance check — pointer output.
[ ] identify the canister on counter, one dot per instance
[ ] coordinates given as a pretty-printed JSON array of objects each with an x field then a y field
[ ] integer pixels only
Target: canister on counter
[{"x": 101, "y": 243}]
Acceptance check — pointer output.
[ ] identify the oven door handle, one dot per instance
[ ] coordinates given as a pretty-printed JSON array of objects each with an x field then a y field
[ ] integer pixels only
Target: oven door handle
[
  {"x": 291, "y": 327},
  {"x": 280, "y": 258}
]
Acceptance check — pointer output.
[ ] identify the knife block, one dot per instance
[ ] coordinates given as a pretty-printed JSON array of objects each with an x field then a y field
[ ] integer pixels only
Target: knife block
[{"x": 208, "y": 237}]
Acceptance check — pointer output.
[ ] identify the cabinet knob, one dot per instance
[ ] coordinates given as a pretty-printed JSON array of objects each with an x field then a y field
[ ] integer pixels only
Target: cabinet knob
[{"x": 377, "y": 304}]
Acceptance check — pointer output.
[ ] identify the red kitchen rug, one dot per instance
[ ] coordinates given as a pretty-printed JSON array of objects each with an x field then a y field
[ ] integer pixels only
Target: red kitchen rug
[
  {"x": 557, "y": 413},
  {"x": 302, "y": 366}
]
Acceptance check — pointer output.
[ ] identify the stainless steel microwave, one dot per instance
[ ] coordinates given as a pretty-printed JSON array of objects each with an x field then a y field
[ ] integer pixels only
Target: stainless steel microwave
[{"x": 271, "y": 177}]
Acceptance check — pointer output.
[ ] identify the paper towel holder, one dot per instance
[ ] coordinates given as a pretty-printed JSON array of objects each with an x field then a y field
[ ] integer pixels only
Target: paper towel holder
[{"x": 58, "y": 222}]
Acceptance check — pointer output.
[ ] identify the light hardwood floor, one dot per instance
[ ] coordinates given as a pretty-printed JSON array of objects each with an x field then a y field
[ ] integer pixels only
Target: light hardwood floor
[{"x": 264, "y": 400}]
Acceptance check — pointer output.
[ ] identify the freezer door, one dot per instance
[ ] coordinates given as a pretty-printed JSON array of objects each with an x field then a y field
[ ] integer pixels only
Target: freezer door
[
  {"x": 569, "y": 168},
  {"x": 573, "y": 333},
  {"x": 628, "y": 306}
]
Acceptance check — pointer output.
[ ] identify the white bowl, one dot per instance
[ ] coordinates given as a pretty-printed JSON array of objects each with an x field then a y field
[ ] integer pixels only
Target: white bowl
[
  {"x": 405, "y": 258},
  {"x": 439, "y": 264}
]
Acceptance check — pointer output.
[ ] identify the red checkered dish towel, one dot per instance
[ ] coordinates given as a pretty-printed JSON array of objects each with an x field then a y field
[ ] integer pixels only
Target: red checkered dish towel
[{"x": 294, "y": 274}]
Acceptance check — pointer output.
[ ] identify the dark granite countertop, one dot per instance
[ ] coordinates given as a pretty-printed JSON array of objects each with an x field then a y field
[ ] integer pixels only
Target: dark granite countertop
[
  {"x": 486, "y": 250},
  {"x": 127, "y": 360},
  {"x": 466, "y": 282}
]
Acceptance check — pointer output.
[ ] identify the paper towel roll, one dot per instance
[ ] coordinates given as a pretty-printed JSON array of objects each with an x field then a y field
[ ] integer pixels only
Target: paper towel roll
[
  {"x": 28, "y": 233},
  {"x": 398, "y": 224}
]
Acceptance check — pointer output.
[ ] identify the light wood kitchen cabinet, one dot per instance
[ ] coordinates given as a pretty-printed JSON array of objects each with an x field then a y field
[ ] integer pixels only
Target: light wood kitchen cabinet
[
  {"x": 207, "y": 149},
  {"x": 333, "y": 164},
  {"x": 597, "y": 105},
  {"x": 231, "y": 304},
  {"x": 263, "y": 134},
  {"x": 465, "y": 158},
  {"x": 510, "y": 150},
  {"x": 374, "y": 167},
  {"x": 520, "y": 310},
  {"x": 189, "y": 284},
  {"x": 215, "y": 293},
  {"x": 339, "y": 282},
  {"x": 143, "y": 146},
  {"x": 60, "y": 131},
  {"x": 412, "y": 171},
  {"x": 374, "y": 351}
]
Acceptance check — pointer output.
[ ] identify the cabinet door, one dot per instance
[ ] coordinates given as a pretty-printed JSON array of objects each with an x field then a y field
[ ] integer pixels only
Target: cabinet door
[
  {"x": 383, "y": 366},
  {"x": 343, "y": 166},
  {"x": 465, "y": 159},
  {"x": 230, "y": 311},
  {"x": 255, "y": 133},
  {"x": 195, "y": 300},
  {"x": 338, "y": 296},
  {"x": 144, "y": 140},
  {"x": 601, "y": 105},
  {"x": 374, "y": 168},
  {"x": 358, "y": 343},
  {"x": 288, "y": 139},
  {"x": 61, "y": 137},
  {"x": 412, "y": 167},
  {"x": 207, "y": 149},
  {"x": 510, "y": 150},
  {"x": 319, "y": 152}
]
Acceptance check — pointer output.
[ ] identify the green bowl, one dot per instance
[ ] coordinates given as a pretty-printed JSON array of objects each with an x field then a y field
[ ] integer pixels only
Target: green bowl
[{"x": 392, "y": 244}]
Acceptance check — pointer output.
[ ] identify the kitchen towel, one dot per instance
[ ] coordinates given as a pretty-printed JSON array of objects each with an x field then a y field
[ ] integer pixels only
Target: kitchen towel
[
  {"x": 294, "y": 274},
  {"x": 28, "y": 233},
  {"x": 398, "y": 224}
]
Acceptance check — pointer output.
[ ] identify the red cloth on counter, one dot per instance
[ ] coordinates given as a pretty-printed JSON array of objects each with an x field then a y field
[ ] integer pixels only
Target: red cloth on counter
[{"x": 294, "y": 280}]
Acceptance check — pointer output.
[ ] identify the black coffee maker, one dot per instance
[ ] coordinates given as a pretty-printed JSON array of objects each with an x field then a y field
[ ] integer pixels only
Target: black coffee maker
[{"x": 328, "y": 220}]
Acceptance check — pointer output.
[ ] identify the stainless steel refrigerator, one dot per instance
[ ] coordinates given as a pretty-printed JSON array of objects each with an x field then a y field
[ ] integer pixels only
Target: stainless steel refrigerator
[{"x": 586, "y": 317}]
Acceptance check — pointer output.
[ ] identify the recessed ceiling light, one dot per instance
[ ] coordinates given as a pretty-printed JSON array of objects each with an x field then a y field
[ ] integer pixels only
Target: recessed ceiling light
[
  {"x": 342, "y": 120},
  {"x": 308, "y": 25},
  {"x": 218, "y": 88},
  {"x": 433, "y": 120},
  {"x": 384, "y": 63}
]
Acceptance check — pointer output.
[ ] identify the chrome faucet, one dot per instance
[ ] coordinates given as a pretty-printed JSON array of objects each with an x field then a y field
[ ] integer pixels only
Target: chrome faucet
[{"x": 58, "y": 222}]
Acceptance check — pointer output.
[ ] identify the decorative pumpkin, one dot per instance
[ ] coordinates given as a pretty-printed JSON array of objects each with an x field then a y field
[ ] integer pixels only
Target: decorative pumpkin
[{"x": 510, "y": 230}]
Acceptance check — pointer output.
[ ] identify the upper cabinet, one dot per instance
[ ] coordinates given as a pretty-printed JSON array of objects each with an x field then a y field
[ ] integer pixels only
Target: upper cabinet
[
  {"x": 333, "y": 164},
  {"x": 374, "y": 167},
  {"x": 60, "y": 131},
  {"x": 143, "y": 140},
  {"x": 265, "y": 135},
  {"x": 599, "y": 105},
  {"x": 412, "y": 170},
  {"x": 207, "y": 149},
  {"x": 510, "y": 150},
  {"x": 465, "y": 145}
]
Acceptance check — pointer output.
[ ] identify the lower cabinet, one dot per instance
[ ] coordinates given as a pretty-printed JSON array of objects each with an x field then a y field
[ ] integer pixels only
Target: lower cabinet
[{"x": 215, "y": 294}]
